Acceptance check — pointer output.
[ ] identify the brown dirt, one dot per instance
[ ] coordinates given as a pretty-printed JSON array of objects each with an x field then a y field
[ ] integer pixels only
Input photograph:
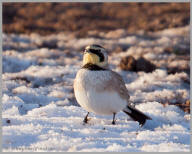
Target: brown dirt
[
  {"x": 129, "y": 63},
  {"x": 184, "y": 106},
  {"x": 47, "y": 18}
]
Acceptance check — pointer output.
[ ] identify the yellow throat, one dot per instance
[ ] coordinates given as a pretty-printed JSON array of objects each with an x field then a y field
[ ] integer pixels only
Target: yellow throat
[{"x": 90, "y": 58}]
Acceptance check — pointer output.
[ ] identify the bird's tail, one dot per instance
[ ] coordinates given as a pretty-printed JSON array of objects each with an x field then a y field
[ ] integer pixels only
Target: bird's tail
[{"x": 136, "y": 115}]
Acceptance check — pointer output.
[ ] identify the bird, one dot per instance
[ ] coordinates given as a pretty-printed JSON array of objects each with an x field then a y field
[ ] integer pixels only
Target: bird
[{"x": 102, "y": 91}]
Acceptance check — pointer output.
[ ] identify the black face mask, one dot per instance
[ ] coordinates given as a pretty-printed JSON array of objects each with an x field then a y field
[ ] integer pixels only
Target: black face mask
[{"x": 98, "y": 53}]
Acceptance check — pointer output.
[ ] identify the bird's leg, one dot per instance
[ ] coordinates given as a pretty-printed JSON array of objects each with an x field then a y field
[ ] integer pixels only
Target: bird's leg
[
  {"x": 113, "y": 122},
  {"x": 85, "y": 119}
]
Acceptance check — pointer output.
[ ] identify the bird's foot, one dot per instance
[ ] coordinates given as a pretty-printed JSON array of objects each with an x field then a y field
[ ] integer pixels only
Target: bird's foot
[
  {"x": 85, "y": 121},
  {"x": 113, "y": 122}
]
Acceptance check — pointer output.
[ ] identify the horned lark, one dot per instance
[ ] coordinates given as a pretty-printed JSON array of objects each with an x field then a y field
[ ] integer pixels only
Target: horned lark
[{"x": 100, "y": 90}]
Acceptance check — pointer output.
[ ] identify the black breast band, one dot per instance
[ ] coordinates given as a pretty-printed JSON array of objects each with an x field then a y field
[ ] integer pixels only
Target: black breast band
[{"x": 93, "y": 67}]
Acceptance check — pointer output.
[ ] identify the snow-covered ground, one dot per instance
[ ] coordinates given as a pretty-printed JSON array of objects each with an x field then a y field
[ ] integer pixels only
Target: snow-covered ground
[{"x": 40, "y": 112}]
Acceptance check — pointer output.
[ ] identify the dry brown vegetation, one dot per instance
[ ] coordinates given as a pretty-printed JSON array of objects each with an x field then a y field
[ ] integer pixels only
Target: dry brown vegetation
[{"x": 47, "y": 18}]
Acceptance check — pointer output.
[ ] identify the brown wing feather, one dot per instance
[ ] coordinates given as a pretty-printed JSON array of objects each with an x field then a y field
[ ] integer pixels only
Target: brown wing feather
[
  {"x": 120, "y": 85},
  {"x": 115, "y": 83}
]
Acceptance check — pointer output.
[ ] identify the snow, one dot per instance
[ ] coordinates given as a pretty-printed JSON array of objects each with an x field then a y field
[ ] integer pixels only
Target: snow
[
  {"x": 40, "y": 113},
  {"x": 55, "y": 128}
]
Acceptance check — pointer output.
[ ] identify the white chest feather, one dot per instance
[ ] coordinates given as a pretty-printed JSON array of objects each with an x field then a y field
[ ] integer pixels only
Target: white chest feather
[{"x": 87, "y": 95}]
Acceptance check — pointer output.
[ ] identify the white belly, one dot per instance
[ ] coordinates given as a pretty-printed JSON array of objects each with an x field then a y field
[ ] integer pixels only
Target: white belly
[{"x": 103, "y": 103}]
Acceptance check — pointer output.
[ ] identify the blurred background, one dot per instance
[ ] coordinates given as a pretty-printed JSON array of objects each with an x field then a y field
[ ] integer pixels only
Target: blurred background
[{"x": 48, "y": 18}]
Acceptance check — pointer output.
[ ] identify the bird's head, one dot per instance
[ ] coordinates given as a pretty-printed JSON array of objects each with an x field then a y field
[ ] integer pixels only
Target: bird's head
[{"x": 95, "y": 54}]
